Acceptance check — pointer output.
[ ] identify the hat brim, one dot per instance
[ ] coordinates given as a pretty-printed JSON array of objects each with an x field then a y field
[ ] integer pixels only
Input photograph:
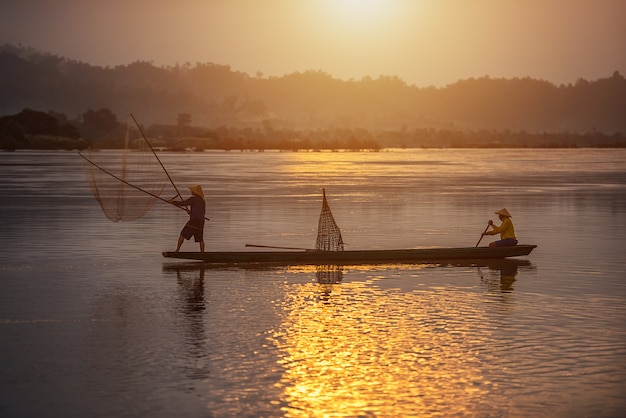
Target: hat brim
[
  {"x": 503, "y": 212},
  {"x": 197, "y": 190}
]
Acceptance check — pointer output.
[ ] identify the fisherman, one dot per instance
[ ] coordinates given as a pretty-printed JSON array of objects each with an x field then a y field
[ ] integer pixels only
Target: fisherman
[
  {"x": 195, "y": 226},
  {"x": 506, "y": 230}
]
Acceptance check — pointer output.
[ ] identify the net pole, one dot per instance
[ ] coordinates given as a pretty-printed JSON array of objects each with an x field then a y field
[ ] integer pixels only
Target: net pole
[
  {"x": 157, "y": 157},
  {"x": 276, "y": 247}
]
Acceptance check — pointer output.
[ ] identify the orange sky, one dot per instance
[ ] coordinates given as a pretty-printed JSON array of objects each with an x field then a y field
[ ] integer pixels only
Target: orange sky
[{"x": 424, "y": 42}]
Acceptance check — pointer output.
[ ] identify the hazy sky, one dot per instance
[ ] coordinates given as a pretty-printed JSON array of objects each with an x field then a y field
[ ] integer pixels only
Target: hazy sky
[{"x": 424, "y": 42}]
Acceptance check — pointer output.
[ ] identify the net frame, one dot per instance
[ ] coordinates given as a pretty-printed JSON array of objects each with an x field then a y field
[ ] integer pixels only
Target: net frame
[{"x": 136, "y": 165}]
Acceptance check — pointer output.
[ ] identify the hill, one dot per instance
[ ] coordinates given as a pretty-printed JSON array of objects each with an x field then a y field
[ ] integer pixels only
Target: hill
[{"x": 214, "y": 97}]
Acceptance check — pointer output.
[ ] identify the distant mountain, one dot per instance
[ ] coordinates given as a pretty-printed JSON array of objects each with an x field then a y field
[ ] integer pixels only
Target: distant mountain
[{"x": 213, "y": 96}]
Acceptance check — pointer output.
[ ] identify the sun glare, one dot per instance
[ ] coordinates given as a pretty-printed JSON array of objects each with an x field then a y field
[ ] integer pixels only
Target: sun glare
[
  {"x": 360, "y": 23},
  {"x": 361, "y": 10},
  {"x": 363, "y": 13},
  {"x": 344, "y": 356}
]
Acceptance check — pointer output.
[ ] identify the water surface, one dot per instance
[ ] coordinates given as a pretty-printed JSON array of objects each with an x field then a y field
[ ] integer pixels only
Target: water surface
[{"x": 93, "y": 321}]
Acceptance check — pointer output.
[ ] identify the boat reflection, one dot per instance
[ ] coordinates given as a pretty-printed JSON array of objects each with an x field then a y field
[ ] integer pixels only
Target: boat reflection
[
  {"x": 496, "y": 275},
  {"x": 506, "y": 272},
  {"x": 496, "y": 264},
  {"x": 365, "y": 347}
]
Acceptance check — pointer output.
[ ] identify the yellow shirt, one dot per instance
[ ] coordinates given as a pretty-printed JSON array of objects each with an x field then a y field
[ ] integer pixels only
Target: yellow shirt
[{"x": 505, "y": 230}]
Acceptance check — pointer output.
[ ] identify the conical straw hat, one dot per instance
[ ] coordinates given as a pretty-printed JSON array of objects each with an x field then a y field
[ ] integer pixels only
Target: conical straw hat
[
  {"x": 503, "y": 212},
  {"x": 196, "y": 189}
]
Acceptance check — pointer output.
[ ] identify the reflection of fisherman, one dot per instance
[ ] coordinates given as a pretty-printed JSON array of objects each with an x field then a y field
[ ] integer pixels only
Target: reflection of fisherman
[
  {"x": 506, "y": 230},
  {"x": 507, "y": 277},
  {"x": 195, "y": 226},
  {"x": 507, "y": 270}
]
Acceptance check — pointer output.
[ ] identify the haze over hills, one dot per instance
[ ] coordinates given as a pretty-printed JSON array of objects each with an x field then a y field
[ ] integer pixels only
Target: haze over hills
[{"x": 213, "y": 96}]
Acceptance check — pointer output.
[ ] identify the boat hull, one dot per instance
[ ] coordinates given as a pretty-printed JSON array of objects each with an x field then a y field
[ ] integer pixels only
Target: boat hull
[{"x": 421, "y": 255}]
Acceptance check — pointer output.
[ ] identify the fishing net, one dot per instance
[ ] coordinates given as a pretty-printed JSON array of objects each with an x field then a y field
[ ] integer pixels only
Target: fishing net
[
  {"x": 113, "y": 173},
  {"x": 328, "y": 233}
]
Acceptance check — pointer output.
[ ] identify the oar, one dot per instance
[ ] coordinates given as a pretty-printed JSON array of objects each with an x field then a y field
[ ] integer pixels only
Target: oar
[
  {"x": 482, "y": 235},
  {"x": 278, "y": 248},
  {"x": 157, "y": 157},
  {"x": 132, "y": 185}
]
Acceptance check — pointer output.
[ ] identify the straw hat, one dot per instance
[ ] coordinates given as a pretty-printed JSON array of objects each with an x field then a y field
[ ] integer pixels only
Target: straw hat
[
  {"x": 503, "y": 212},
  {"x": 196, "y": 189}
]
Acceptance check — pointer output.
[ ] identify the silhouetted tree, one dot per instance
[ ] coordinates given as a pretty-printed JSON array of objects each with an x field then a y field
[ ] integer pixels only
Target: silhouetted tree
[
  {"x": 183, "y": 119},
  {"x": 69, "y": 131},
  {"x": 33, "y": 122},
  {"x": 11, "y": 135},
  {"x": 98, "y": 122}
]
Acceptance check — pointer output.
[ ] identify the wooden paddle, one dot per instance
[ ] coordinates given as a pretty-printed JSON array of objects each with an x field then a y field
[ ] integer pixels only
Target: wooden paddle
[{"x": 482, "y": 235}]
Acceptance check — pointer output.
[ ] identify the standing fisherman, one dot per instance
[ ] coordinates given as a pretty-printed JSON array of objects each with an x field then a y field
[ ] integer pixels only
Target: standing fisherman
[
  {"x": 506, "y": 230},
  {"x": 195, "y": 226}
]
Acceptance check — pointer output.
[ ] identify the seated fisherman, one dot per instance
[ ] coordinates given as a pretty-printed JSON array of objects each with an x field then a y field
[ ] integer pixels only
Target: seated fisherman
[{"x": 506, "y": 230}]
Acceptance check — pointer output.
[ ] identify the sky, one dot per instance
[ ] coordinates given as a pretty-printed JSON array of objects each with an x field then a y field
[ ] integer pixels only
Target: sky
[{"x": 423, "y": 42}]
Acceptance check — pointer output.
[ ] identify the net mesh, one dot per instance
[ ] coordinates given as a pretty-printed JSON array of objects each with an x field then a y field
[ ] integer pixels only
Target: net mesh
[
  {"x": 135, "y": 164},
  {"x": 328, "y": 233}
]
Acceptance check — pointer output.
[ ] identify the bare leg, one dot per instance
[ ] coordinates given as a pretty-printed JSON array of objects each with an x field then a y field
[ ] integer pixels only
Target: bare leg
[
  {"x": 180, "y": 242},
  {"x": 201, "y": 246}
]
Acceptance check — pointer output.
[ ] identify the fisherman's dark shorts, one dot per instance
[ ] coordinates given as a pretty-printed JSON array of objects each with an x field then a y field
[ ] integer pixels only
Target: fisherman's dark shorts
[
  {"x": 193, "y": 229},
  {"x": 509, "y": 242}
]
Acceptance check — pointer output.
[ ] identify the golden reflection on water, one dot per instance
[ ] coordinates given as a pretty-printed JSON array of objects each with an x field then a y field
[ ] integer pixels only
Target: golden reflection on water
[{"x": 357, "y": 349}]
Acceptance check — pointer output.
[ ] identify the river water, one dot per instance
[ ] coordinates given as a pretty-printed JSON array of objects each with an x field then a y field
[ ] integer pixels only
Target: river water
[{"x": 94, "y": 322}]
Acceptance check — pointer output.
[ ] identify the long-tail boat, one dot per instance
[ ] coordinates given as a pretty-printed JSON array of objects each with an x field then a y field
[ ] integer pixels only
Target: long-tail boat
[{"x": 318, "y": 257}]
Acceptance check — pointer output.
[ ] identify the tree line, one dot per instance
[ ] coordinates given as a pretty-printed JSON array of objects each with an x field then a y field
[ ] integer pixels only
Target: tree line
[
  {"x": 100, "y": 129},
  {"x": 215, "y": 106}
]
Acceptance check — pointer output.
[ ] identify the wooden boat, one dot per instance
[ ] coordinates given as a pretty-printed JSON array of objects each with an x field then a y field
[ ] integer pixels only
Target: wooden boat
[{"x": 314, "y": 257}]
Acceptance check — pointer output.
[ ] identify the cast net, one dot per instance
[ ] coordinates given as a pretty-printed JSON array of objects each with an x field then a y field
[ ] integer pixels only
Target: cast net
[
  {"x": 112, "y": 172},
  {"x": 328, "y": 233}
]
